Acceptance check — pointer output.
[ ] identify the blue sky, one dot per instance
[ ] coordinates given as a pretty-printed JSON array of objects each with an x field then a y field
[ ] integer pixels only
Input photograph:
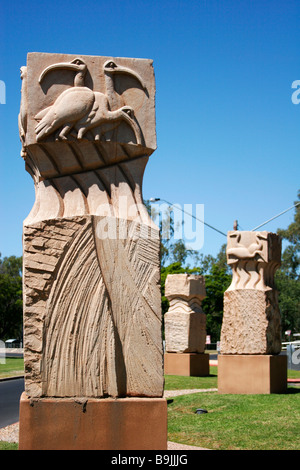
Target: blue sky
[{"x": 227, "y": 130}]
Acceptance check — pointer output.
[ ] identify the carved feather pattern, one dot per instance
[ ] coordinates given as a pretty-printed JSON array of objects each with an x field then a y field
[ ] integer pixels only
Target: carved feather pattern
[{"x": 100, "y": 315}]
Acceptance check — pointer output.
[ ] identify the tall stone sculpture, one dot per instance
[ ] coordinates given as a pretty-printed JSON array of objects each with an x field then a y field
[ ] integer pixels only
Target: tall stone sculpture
[
  {"x": 185, "y": 326},
  {"x": 92, "y": 315},
  {"x": 251, "y": 333}
]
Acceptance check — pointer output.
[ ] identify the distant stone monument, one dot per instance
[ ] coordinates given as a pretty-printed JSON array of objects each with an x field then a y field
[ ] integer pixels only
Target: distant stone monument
[
  {"x": 92, "y": 306},
  {"x": 251, "y": 335},
  {"x": 185, "y": 326}
]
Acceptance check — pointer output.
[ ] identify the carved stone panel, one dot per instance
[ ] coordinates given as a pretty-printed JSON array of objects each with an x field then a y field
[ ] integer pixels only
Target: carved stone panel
[{"x": 101, "y": 105}]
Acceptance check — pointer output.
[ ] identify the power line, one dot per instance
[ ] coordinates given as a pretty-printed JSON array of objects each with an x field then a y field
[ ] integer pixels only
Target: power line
[
  {"x": 275, "y": 217},
  {"x": 154, "y": 199}
]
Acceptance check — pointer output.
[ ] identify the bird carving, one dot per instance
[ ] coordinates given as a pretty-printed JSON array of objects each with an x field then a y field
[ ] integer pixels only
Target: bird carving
[
  {"x": 241, "y": 251},
  {"x": 100, "y": 115},
  {"x": 83, "y": 109}
]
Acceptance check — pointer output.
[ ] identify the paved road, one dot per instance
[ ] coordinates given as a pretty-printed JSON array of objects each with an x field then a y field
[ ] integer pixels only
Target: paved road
[{"x": 10, "y": 393}]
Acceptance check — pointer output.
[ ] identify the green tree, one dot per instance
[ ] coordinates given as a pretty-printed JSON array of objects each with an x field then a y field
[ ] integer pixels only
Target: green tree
[
  {"x": 289, "y": 302},
  {"x": 11, "y": 266},
  {"x": 217, "y": 279},
  {"x": 10, "y": 298},
  {"x": 216, "y": 282},
  {"x": 291, "y": 255},
  {"x": 288, "y": 276},
  {"x": 179, "y": 253},
  {"x": 171, "y": 250}
]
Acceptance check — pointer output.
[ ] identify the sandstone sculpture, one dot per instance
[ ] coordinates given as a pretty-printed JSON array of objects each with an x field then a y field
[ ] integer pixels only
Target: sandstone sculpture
[
  {"x": 92, "y": 315},
  {"x": 185, "y": 321},
  {"x": 92, "y": 306},
  {"x": 185, "y": 326},
  {"x": 251, "y": 335},
  {"x": 251, "y": 320}
]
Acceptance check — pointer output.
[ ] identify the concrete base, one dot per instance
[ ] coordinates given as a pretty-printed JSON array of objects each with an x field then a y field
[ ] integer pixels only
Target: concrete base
[
  {"x": 252, "y": 374},
  {"x": 188, "y": 364},
  {"x": 93, "y": 424}
]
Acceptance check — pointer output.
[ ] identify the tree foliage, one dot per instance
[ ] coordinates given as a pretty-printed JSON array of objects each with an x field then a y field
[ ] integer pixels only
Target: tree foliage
[
  {"x": 10, "y": 298},
  {"x": 217, "y": 280},
  {"x": 288, "y": 276}
]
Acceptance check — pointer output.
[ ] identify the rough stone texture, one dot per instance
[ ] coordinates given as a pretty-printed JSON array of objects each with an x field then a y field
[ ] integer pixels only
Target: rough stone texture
[
  {"x": 92, "y": 315},
  {"x": 185, "y": 322},
  {"x": 251, "y": 320}
]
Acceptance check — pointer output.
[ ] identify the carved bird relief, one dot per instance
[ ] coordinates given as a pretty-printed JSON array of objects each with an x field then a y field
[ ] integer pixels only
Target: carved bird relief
[
  {"x": 241, "y": 251},
  {"x": 83, "y": 109}
]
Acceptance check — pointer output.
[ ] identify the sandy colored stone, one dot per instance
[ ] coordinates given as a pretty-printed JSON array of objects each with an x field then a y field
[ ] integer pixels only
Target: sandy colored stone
[
  {"x": 251, "y": 319},
  {"x": 187, "y": 286},
  {"x": 185, "y": 321},
  {"x": 93, "y": 424},
  {"x": 252, "y": 373},
  {"x": 92, "y": 307},
  {"x": 251, "y": 322}
]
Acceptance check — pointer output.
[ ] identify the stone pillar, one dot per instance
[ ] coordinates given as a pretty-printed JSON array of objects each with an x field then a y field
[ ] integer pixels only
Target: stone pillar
[
  {"x": 251, "y": 334},
  {"x": 92, "y": 314},
  {"x": 185, "y": 326}
]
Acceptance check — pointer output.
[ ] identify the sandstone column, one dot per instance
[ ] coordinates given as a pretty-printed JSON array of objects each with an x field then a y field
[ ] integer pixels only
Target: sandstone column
[
  {"x": 251, "y": 336},
  {"x": 185, "y": 326},
  {"x": 92, "y": 315}
]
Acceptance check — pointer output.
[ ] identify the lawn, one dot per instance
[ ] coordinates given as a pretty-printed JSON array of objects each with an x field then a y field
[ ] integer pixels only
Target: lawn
[
  {"x": 236, "y": 422},
  {"x": 177, "y": 382},
  {"x": 8, "y": 445},
  {"x": 13, "y": 366},
  {"x": 233, "y": 422}
]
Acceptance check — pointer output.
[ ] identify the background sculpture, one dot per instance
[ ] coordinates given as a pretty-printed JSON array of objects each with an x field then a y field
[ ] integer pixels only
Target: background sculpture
[
  {"x": 251, "y": 332},
  {"x": 185, "y": 326},
  {"x": 251, "y": 320}
]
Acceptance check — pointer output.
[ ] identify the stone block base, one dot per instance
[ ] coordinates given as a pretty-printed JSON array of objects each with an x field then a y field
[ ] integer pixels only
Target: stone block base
[
  {"x": 252, "y": 374},
  {"x": 93, "y": 424},
  {"x": 188, "y": 364}
]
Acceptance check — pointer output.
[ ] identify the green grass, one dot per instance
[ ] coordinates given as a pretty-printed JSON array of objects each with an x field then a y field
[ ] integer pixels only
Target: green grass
[
  {"x": 233, "y": 422},
  {"x": 236, "y": 422},
  {"x": 13, "y": 366},
  {"x": 8, "y": 445},
  {"x": 293, "y": 374},
  {"x": 177, "y": 382}
]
